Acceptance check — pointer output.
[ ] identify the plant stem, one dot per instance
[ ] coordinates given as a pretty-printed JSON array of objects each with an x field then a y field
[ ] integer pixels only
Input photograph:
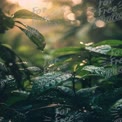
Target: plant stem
[{"x": 73, "y": 83}]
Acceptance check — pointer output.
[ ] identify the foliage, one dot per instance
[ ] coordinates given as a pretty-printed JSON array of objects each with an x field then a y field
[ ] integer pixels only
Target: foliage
[{"x": 79, "y": 84}]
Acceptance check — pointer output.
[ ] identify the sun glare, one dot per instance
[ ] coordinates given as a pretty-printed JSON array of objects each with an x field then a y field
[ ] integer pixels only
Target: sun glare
[
  {"x": 13, "y": 1},
  {"x": 30, "y": 4}
]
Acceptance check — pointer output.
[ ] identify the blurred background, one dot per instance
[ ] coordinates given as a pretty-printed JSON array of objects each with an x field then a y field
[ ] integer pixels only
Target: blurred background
[{"x": 67, "y": 23}]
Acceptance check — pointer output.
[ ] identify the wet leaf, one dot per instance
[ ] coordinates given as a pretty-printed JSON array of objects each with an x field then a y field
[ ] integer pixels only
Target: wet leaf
[
  {"x": 25, "y": 14},
  {"x": 103, "y": 49},
  {"x": 48, "y": 81},
  {"x": 35, "y": 36}
]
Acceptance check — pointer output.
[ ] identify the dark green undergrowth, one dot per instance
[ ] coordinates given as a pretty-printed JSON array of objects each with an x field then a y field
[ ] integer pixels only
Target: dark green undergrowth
[{"x": 78, "y": 84}]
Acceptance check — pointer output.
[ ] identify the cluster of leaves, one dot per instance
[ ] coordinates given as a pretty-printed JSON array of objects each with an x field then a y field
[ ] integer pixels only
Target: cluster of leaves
[{"x": 83, "y": 80}]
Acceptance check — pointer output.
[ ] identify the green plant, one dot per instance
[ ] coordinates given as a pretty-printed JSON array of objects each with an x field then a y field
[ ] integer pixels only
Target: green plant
[{"x": 78, "y": 84}]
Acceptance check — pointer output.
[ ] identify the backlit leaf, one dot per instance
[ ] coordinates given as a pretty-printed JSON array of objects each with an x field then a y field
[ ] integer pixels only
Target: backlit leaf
[
  {"x": 25, "y": 14},
  {"x": 35, "y": 36}
]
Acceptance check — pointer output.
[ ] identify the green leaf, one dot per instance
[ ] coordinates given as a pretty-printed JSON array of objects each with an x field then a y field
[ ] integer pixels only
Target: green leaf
[
  {"x": 115, "y": 47},
  {"x": 103, "y": 72},
  {"x": 16, "y": 96},
  {"x": 48, "y": 81},
  {"x": 113, "y": 43},
  {"x": 10, "y": 59},
  {"x": 5, "y": 22},
  {"x": 100, "y": 71},
  {"x": 2, "y": 85},
  {"x": 117, "y": 104},
  {"x": 109, "y": 97},
  {"x": 116, "y": 109},
  {"x": 34, "y": 69},
  {"x": 86, "y": 92},
  {"x": 7, "y": 85},
  {"x": 66, "y": 90},
  {"x": 103, "y": 49},
  {"x": 85, "y": 95},
  {"x": 115, "y": 52},
  {"x": 67, "y": 51},
  {"x": 25, "y": 14},
  {"x": 7, "y": 54},
  {"x": 2, "y": 68},
  {"x": 35, "y": 36}
]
